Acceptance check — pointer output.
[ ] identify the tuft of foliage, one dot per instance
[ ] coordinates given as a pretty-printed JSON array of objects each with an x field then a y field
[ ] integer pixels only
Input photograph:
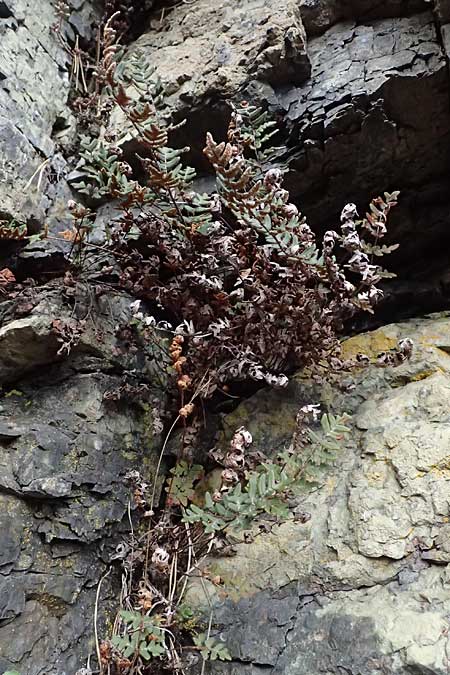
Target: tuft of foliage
[
  {"x": 101, "y": 169},
  {"x": 239, "y": 272},
  {"x": 265, "y": 490},
  {"x": 13, "y": 230},
  {"x": 141, "y": 637},
  {"x": 181, "y": 486},
  {"x": 210, "y": 648}
]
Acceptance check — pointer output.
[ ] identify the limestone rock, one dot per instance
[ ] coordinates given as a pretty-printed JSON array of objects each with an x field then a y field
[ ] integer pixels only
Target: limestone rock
[
  {"x": 62, "y": 321},
  {"x": 223, "y": 45},
  {"x": 211, "y": 50},
  {"x": 64, "y": 454},
  {"x": 362, "y": 587},
  {"x": 63, "y": 499},
  {"x": 374, "y": 114},
  {"x": 319, "y": 15}
]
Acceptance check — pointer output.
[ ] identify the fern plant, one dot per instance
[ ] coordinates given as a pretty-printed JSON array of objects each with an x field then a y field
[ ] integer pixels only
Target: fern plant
[
  {"x": 266, "y": 489},
  {"x": 210, "y": 648},
  {"x": 100, "y": 169},
  {"x": 239, "y": 271},
  {"x": 142, "y": 637}
]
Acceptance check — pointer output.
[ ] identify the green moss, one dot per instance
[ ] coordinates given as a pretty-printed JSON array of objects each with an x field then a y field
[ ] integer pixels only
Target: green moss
[{"x": 129, "y": 455}]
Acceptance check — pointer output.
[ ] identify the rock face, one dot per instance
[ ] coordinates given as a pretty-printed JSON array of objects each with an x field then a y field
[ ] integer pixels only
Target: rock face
[
  {"x": 64, "y": 454},
  {"x": 207, "y": 53},
  {"x": 363, "y": 586},
  {"x": 226, "y": 44},
  {"x": 319, "y": 15},
  {"x": 64, "y": 450},
  {"x": 374, "y": 113},
  {"x": 33, "y": 103},
  {"x": 362, "y": 90}
]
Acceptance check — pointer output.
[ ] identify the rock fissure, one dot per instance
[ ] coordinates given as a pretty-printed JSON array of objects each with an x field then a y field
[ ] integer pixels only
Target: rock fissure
[{"x": 291, "y": 628}]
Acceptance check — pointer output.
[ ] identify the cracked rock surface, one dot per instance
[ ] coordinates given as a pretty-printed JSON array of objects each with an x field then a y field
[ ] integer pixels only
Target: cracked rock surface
[
  {"x": 362, "y": 91},
  {"x": 64, "y": 454},
  {"x": 34, "y": 89},
  {"x": 215, "y": 48},
  {"x": 374, "y": 113},
  {"x": 363, "y": 586}
]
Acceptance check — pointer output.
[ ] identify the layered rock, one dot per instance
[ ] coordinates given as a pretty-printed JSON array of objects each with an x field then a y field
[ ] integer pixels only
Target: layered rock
[
  {"x": 65, "y": 451},
  {"x": 319, "y": 15},
  {"x": 374, "y": 115},
  {"x": 363, "y": 586},
  {"x": 206, "y": 54},
  {"x": 363, "y": 105},
  {"x": 213, "y": 49},
  {"x": 35, "y": 83}
]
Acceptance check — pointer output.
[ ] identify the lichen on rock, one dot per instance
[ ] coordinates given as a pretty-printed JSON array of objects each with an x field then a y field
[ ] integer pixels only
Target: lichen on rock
[{"x": 364, "y": 581}]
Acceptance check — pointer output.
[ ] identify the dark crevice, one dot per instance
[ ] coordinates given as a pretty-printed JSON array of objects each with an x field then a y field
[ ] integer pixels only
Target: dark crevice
[
  {"x": 253, "y": 664},
  {"x": 5, "y": 12},
  {"x": 359, "y": 11},
  {"x": 134, "y": 17},
  {"x": 440, "y": 40}
]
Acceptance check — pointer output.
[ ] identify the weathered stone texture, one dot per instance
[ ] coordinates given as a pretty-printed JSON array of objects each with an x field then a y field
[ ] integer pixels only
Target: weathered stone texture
[
  {"x": 27, "y": 342},
  {"x": 319, "y": 15},
  {"x": 64, "y": 453},
  {"x": 362, "y": 587},
  {"x": 34, "y": 88},
  {"x": 213, "y": 49},
  {"x": 373, "y": 116}
]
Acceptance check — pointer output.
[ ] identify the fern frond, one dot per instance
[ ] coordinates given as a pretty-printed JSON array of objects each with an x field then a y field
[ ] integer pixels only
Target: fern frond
[
  {"x": 257, "y": 129},
  {"x": 12, "y": 230},
  {"x": 266, "y": 489},
  {"x": 198, "y": 210},
  {"x": 165, "y": 170}
]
